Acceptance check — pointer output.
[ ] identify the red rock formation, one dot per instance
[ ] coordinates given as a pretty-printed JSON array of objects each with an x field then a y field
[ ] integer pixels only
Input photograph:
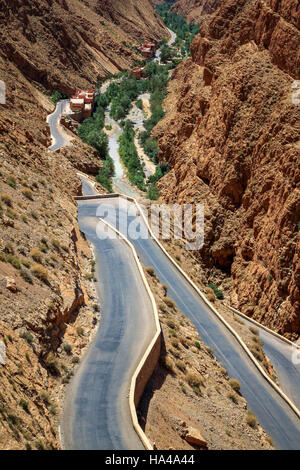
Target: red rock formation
[
  {"x": 231, "y": 137},
  {"x": 195, "y": 10},
  {"x": 65, "y": 44}
]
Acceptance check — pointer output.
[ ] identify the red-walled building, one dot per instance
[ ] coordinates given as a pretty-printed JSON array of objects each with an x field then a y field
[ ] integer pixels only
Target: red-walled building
[
  {"x": 82, "y": 104},
  {"x": 137, "y": 72},
  {"x": 148, "y": 49}
]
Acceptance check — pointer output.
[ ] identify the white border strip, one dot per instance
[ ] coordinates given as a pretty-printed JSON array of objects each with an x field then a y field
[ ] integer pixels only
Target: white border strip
[
  {"x": 260, "y": 325},
  {"x": 218, "y": 315},
  {"x": 234, "y": 333},
  {"x": 239, "y": 339},
  {"x": 152, "y": 344}
]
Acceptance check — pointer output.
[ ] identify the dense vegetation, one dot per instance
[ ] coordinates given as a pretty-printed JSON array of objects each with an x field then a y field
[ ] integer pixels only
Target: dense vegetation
[
  {"x": 166, "y": 53},
  {"x": 106, "y": 173},
  {"x": 177, "y": 23},
  {"x": 157, "y": 78},
  {"x": 121, "y": 95},
  {"x": 218, "y": 293},
  {"x": 152, "y": 192},
  {"x": 57, "y": 95},
  {"x": 91, "y": 132},
  {"x": 130, "y": 158},
  {"x": 161, "y": 170}
]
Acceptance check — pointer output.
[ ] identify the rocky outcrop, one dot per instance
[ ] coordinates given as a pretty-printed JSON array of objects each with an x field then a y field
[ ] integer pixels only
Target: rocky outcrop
[
  {"x": 27, "y": 397},
  {"x": 195, "y": 10},
  {"x": 231, "y": 138},
  {"x": 46, "y": 301},
  {"x": 71, "y": 43},
  {"x": 11, "y": 284},
  {"x": 192, "y": 435}
]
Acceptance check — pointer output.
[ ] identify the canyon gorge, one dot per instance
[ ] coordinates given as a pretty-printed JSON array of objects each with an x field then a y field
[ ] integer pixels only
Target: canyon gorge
[
  {"x": 231, "y": 138},
  {"x": 228, "y": 139}
]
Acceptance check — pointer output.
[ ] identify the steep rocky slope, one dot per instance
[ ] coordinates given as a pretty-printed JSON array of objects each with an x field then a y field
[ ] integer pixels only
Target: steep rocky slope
[
  {"x": 63, "y": 44},
  {"x": 191, "y": 389},
  {"x": 231, "y": 138},
  {"x": 195, "y": 10},
  {"x": 45, "y": 297}
]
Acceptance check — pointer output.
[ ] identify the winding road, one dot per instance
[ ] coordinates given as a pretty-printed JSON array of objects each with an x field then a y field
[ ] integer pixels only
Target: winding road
[
  {"x": 119, "y": 182},
  {"x": 280, "y": 354},
  {"x": 96, "y": 415},
  {"x": 59, "y": 137},
  {"x": 273, "y": 413},
  {"x": 170, "y": 43}
]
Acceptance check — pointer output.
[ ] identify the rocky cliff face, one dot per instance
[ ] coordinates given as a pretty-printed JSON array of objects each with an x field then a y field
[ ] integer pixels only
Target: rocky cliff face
[
  {"x": 63, "y": 44},
  {"x": 231, "y": 137},
  {"x": 195, "y": 10},
  {"x": 47, "y": 309}
]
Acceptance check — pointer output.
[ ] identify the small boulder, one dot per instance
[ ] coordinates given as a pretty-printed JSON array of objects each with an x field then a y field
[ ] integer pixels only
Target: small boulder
[
  {"x": 195, "y": 438},
  {"x": 11, "y": 284},
  {"x": 8, "y": 222}
]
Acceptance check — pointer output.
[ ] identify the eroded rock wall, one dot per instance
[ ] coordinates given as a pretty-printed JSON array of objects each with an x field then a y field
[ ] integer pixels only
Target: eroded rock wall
[{"x": 231, "y": 138}]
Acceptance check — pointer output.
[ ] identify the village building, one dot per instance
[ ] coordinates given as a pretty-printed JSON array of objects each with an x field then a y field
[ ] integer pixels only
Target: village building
[
  {"x": 148, "y": 49},
  {"x": 82, "y": 104},
  {"x": 137, "y": 72}
]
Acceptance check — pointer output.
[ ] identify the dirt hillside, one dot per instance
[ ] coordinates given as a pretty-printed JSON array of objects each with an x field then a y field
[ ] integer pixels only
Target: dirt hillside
[
  {"x": 48, "y": 311},
  {"x": 67, "y": 43},
  {"x": 231, "y": 138}
]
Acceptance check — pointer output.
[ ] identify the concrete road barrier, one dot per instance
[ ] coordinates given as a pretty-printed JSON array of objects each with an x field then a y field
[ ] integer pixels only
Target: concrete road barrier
[
  {"x": 212, "y": 308},
  {"x": 147, "y": 364},
  {"x": 260, "y": 325}
]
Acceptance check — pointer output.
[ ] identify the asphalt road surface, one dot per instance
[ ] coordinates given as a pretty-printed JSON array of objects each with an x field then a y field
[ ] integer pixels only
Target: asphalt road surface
[
  {"x": 59, "y": 137},
  {"x": 273, "y": 413},
  {"x": 281, "y": 353},
  {"x": 170, "y": 43},
  {"x": 96, "y": 413}
]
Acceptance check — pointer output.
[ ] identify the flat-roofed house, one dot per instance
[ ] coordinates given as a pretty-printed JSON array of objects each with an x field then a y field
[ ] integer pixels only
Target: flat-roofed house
[
  {"x": 76, "y": 104},
  {"x": 137, "y": 72},
  {"x": 148, "y": 49},
  {"x": 82, "y": 104}
]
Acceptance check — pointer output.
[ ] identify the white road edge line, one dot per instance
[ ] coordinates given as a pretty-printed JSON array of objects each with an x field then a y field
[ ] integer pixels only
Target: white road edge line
[
  {"x": 53, "y": 139},
  {"x": 235, "y": 334},
  {"x": 260, "y": 325},
  {"x": 212, "y": 308}
]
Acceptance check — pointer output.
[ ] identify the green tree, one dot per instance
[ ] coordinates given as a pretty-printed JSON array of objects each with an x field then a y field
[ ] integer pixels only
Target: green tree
[
  {"x": 166, "y": 53},
  {"x": 105, "y": 174},
  {"x": 130, "y": 158},
  {"x": 153, "y": 192}
]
